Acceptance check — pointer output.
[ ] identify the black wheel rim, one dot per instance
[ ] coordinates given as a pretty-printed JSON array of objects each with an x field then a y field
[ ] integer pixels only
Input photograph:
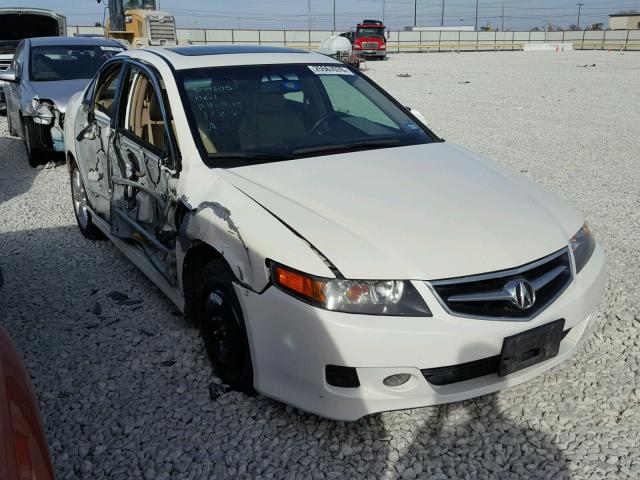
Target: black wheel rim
[{"x": 222, "y": 331}]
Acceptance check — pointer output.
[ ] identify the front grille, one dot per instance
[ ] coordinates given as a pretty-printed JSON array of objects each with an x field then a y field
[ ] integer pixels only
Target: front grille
[
  {"x": 4, "y": 64},
  {"x": 490, "y": 296},
  {"x": 465, "y": 371},
  {"x": 162, "y": 31},
  {"x": 370, "y": 45}
]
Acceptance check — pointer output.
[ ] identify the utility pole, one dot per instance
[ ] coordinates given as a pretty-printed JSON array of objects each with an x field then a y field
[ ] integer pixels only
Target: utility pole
[
  {"x": 476, "y": 15},
  {"x": 442, "y": 19},
  {"x": 334, "y": 15},
  {"x": 415, "y": 13},
  {"x": 502, "y": 29},
  {"x": 384, "y": 8},
  {"x": 309, "y": 12},
  {"x": 580, "y": 4}
]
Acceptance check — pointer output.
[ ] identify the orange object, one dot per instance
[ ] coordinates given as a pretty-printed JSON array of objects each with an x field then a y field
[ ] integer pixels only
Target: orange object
[
  {"x": 306, "y": 286},
  {"x": 24, "y": 454}
]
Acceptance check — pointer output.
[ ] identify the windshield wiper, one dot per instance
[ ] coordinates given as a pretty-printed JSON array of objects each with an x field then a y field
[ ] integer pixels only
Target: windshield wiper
[{"x": 347, "y": 147}]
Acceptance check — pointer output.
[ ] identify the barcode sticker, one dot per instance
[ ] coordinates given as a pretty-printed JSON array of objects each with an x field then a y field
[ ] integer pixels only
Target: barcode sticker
[
  {"x": 111, "y": 49},
  {"x": 329, "y": 70}
]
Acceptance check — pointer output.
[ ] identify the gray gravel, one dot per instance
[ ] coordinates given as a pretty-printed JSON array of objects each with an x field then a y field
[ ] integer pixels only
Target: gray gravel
[{"x": 124, "y": 383}]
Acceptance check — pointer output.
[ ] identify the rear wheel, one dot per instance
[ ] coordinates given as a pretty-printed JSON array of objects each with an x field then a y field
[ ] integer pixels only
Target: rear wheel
[
  {"x": 81, "y": 206},
  {"x": 223, "y": 329},
  {"x": 36, "y": 155}
]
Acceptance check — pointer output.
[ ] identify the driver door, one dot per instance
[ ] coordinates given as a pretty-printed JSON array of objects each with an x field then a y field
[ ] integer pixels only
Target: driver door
[
  {"x": 143, "y": 170},
  {"x": 95, "y": 127}
]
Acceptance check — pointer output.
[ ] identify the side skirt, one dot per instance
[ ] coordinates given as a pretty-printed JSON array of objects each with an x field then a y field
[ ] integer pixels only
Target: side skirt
[{"x": 141, "y": 261}]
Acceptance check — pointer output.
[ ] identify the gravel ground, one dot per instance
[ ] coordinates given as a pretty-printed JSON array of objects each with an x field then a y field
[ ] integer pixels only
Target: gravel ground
[{"x": 123, "y": 380}]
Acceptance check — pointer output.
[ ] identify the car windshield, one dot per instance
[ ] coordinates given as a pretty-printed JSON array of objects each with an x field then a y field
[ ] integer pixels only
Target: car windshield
[
  {"x": 66, "y": 62},
  {"x": 133, "y": 4},
  {"x": 370, "y": 32},
  {"x": 266, "y": 113}
]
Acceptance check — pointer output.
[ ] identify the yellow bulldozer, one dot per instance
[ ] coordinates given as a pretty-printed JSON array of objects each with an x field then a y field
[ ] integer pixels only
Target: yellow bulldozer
[{"x": 139, "y": 23}]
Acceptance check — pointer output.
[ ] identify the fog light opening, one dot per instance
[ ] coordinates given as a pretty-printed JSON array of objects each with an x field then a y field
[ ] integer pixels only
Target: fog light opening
[{"x": 397, "y": 379}]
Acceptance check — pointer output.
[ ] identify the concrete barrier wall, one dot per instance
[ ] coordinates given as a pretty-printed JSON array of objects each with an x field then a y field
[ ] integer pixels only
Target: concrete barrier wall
[{"x": 424, "y": 41}]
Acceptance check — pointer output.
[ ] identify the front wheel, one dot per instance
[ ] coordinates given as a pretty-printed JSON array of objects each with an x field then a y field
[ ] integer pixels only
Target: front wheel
[
  {"x": 223, "y": 329},
  {"x": 36, "y": 155},
  {"x": 81, "y": 206}
]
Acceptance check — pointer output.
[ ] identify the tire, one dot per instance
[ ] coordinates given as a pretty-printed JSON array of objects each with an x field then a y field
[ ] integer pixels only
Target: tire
[
  {"x": 221, "y": 321},
  {"x": 80, "y": 206},
  {"x": 36, "y": 155}
]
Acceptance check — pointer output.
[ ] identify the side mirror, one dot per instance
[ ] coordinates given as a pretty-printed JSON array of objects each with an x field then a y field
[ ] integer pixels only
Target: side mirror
[
  {"x": 9, "y": 75},
  {"x": 418, "y": 115}
]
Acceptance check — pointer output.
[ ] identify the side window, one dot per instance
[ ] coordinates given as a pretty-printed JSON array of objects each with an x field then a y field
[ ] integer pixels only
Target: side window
[
  {"x": 88, "y": 94},
  {"x": 350, "y": 100},
  {"x": 17, "y": 60},
  {"x": 106, "y": 89},
  {"x": 143, "y": 114}
]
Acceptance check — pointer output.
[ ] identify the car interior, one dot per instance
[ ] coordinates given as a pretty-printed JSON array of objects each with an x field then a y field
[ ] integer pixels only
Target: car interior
[
  {"x": 144, "y": 115},
  {"x": 236, "y": 115}
]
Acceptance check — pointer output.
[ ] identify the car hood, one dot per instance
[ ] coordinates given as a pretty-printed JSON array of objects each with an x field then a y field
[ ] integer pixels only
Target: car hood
[
  {"x": 59, "y": 92},
  {"x": 417, "y": 212}
]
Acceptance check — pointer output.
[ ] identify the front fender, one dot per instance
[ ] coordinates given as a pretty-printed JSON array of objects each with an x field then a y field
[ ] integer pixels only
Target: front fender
[
  {"x": 245, "y": 234},
  {"x": 69, "y": 126}
]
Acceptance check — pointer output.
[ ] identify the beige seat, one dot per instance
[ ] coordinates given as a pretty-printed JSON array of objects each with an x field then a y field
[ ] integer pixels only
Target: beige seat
[
  {"x": 271, "y": 123},
  {"x": 153, "y": 123}
]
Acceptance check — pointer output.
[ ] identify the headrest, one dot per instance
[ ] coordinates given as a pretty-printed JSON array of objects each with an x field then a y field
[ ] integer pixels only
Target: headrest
[{"x": 270, "y": 103}]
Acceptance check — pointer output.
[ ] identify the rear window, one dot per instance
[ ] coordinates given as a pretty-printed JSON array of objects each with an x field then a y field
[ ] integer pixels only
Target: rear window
[{"x": 66, "y": 62}]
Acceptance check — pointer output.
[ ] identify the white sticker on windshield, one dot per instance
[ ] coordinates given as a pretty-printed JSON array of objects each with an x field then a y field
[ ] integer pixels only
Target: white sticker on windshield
[
  {"x": 329, "y": 70},
  {"x": 112, "y": 49}
]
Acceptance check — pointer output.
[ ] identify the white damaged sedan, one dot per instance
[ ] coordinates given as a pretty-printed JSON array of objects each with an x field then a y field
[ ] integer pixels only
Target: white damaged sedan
[{"x": 337, "y": 254}]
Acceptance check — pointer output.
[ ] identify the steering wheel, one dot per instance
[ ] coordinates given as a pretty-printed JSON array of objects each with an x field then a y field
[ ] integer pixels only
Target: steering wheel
[{"x": 324, "y": 119}]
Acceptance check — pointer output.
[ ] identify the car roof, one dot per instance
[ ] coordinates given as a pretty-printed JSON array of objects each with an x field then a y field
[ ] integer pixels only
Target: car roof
[
  {"x": 51, "y": 41},
  {"x": 203, "y": 56}
]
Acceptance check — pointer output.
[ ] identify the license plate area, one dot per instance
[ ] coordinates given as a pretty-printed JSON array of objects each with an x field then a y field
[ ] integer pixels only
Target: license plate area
[{"x": 525, "y": 349}]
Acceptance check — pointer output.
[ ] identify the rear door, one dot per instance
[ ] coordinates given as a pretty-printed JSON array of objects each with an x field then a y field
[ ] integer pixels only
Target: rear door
[
  {"x": 95, "y": 128},
  {"x": 143, "y": 165}
]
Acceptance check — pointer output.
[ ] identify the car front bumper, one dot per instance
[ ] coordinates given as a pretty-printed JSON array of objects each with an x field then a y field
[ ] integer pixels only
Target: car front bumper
[{"x": 292, "y": 342}]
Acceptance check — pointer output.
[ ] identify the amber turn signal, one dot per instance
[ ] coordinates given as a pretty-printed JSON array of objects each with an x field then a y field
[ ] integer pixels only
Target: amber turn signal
[{"x": 301, "y": 284}]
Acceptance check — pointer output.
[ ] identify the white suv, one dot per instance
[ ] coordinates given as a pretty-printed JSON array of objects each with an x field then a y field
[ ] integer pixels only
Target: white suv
[{"x": 338, "y": 255}]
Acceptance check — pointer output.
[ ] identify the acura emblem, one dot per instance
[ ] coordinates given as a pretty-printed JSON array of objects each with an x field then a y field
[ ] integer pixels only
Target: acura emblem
[{"x": 523, "y": 295}]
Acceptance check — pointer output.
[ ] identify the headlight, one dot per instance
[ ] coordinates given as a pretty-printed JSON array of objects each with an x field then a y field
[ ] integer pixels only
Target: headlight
[
  {"x": 369, "y": 297},
  {"x": 42, "y": 113},
  {"x": 582, "y": 245}
]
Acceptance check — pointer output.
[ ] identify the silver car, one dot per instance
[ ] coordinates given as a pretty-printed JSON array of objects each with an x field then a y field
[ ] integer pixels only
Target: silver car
[{"x": 43, "y": 76}]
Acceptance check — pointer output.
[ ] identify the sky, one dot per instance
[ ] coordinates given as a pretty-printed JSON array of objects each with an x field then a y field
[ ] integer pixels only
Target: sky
[{"x": 292, "y": 14}]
